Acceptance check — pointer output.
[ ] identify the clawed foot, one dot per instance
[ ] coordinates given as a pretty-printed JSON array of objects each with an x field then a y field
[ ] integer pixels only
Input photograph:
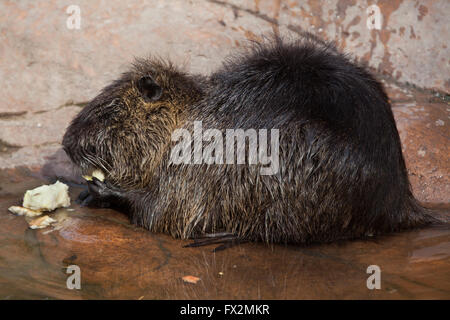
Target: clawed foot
[
  {"x": 99, "y": 194},
  {"x": 227, "y": 240}
]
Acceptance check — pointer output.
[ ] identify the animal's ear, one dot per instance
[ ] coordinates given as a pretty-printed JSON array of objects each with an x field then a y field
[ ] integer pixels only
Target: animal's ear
[{"x": 149, "y": 89}]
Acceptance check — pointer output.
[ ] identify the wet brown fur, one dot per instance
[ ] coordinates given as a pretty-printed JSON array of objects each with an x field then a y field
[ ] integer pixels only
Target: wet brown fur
[{"x": 342, "y": 173}]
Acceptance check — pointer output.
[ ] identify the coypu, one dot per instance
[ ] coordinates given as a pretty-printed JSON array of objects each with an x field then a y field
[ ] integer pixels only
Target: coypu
[{"x": 341, "y": 171}]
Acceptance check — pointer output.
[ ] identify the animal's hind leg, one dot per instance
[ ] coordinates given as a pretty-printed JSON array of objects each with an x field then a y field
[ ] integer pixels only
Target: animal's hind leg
[{"x": 226, "y": 239}]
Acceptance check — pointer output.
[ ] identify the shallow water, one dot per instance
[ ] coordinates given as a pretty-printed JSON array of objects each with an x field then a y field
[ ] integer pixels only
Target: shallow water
[{"x": 120, "y": 261}]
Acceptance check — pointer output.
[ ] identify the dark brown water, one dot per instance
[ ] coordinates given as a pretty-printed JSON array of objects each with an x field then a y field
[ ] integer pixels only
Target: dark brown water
[{"x": 120, "y": 261}]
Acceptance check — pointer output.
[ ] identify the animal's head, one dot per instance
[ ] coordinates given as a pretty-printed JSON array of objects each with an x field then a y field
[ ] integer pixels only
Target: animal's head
[{"x": 126, "y": 129}]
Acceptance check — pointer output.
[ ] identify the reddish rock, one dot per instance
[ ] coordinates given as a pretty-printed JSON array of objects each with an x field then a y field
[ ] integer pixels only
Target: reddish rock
[
  {"x": 425, "y": 133},
  {"x": 37, "y": 128},
  {"x": 48, "y": 65}
]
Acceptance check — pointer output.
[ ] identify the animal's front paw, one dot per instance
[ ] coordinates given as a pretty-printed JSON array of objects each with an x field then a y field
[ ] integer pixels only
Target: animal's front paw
[
  {"x": 102, "y": 189},
  {"x": 100, "y": 194}
]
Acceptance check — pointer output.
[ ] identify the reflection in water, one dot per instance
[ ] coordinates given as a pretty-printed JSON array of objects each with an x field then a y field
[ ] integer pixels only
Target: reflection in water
[
  {"x": 118, "y": 260},
  {"x": 439, "y": 251}
]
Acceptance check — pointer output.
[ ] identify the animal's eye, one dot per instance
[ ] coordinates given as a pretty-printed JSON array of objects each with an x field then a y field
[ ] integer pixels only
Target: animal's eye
[{"x": 149, "y": 89}]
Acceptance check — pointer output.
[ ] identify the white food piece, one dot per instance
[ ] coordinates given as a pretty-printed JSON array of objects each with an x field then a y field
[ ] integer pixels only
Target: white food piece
[
  {"x": 21, "y": 211},
  {"x": 47, "y": 197},
  {"x": 97, "y": 174},
  {"x": 41, "y": 222}
]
